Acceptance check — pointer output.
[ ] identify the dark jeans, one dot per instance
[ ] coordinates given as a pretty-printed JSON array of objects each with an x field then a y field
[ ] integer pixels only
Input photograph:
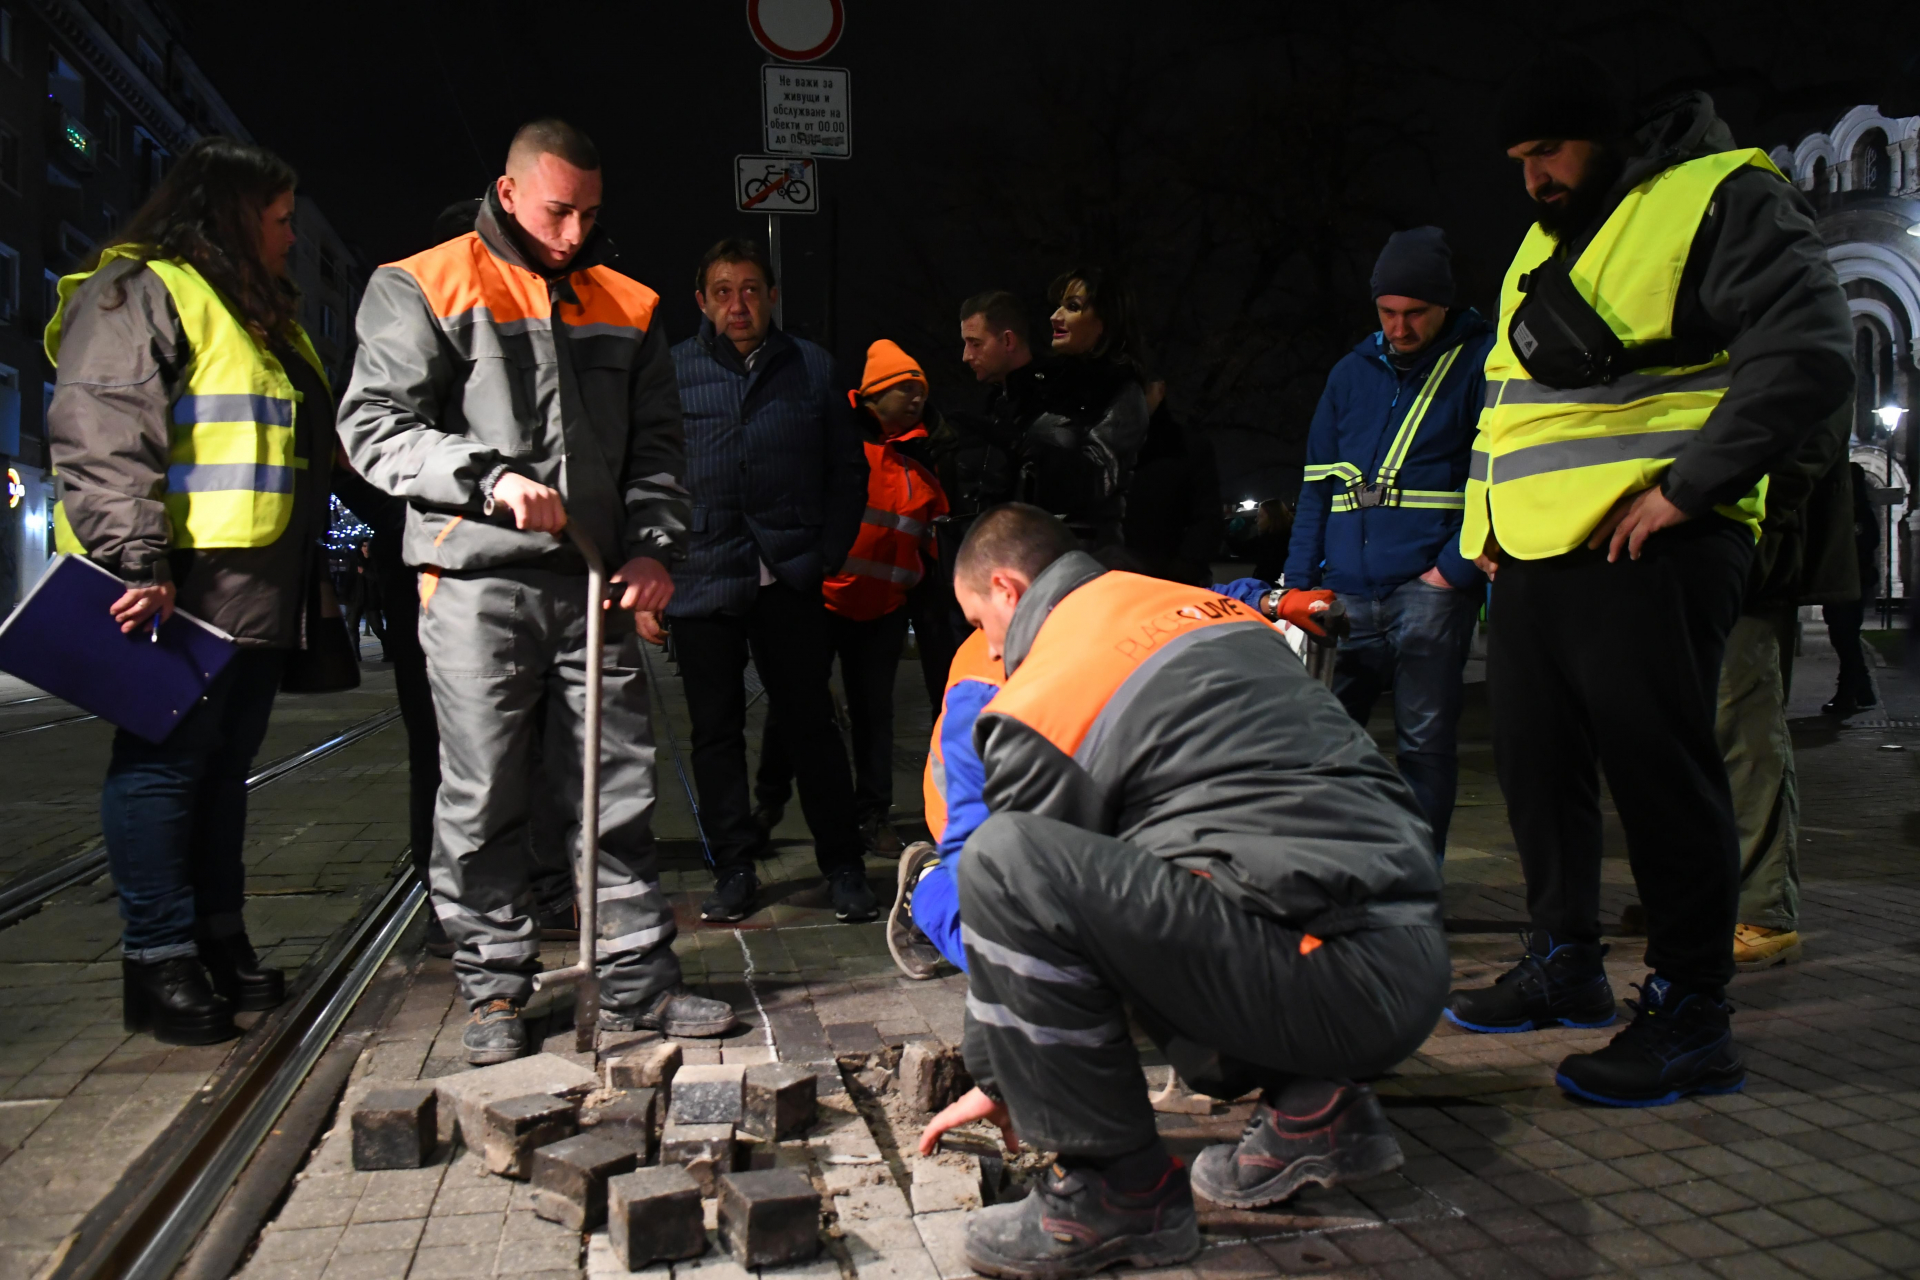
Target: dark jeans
[
  {"x": 175, "y": 815},
  {"x": 869, "y": 654},
  {"x": 931, "y": 609},
  {"x": 1618, "y": 665},
  {"x": 786, "y": 632},
  {"x": 1417, "y": 639}
]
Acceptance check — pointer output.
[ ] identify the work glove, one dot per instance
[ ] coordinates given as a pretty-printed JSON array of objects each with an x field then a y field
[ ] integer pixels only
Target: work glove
[{"x": 1303, "y": 609}]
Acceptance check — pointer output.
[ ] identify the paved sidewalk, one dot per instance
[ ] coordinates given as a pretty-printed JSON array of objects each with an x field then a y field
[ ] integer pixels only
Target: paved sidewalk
[
  {"x": 1813, "y": 1171},
  {"x": 80, "y": 1099}
]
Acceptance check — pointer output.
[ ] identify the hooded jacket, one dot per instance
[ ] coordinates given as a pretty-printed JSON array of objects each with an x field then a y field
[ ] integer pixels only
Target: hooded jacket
[
  {"x": 1178, "y": 720},
  {"x": 472, "y": 359},
  {"x": 1758, "y": 286},
  {"x": 1370, "y": 552}
]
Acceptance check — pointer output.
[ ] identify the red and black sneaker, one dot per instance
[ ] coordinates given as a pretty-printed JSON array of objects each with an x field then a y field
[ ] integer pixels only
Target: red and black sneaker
[{"x": 1314, "y": 1131}]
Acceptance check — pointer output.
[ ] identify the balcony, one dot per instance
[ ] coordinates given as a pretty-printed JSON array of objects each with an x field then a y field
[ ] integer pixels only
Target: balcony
[{"x": 72, "y": 143}]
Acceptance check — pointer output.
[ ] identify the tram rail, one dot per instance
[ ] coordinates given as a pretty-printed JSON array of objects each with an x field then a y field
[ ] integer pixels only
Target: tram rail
[
  {"x": 23, "y": 895},
  {"x": 145, "y": 1227}
]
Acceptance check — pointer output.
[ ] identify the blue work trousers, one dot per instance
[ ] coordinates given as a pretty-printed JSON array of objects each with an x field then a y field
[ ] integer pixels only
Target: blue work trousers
[
  {"x": 175, "y": 814},
  {"x": 1416, "y": 639}
]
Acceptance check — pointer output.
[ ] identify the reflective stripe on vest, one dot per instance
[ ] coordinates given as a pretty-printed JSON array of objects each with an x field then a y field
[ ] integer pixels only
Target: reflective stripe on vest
[
  {"x": 970, "y": 662},
  {"x": 1549, "y": 463},
  {"x": 1389, "y": 494},
  {"x": 1097, "y": 649},
  {"x": 903, "y": 498},
  {"x": 231, "y": 461}
]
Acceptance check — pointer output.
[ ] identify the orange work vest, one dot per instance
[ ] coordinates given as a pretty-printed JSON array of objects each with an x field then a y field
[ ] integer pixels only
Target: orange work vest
[
  {"x": 903, "y": 498},
  {"x": 1095, "y": 639},
  {"x": 970, "y": 663}
]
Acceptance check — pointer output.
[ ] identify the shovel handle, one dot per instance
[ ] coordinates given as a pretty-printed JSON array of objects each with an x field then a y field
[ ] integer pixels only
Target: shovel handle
[{"x": 583, "y": 974}]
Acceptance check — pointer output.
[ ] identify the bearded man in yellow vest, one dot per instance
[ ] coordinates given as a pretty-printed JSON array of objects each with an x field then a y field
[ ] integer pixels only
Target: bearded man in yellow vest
[{"x": 1669, "y": 332}]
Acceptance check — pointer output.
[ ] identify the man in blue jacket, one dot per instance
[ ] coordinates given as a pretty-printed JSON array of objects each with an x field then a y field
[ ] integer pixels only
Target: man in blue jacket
[
  {"x": 1381, "y": 505},
  {"x": 779, "y": 484}
]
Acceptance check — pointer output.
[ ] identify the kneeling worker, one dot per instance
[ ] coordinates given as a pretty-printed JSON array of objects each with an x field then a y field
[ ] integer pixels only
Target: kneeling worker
[{"x": 1186, "y": 826}]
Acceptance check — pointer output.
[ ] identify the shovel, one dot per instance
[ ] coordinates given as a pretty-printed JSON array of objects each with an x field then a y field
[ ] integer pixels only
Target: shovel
[{"x": 582, "y": 975}]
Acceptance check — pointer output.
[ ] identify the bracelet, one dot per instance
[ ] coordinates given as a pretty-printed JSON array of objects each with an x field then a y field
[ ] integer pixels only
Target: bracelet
[{"x": 487, "y": 482}]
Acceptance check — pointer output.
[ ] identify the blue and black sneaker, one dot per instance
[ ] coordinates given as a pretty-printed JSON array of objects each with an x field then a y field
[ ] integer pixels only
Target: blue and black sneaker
[
  {"x": 1677, "y": 1044},
  {"x": 1562, "y": 983}
]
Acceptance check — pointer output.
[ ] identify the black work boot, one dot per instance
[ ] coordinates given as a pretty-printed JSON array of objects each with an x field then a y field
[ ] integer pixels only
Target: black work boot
[
  {"x": 675, "y": 1012},
  {"x": 238, "y": 976},
  {"x": 1324, "y": 1131},
  {"x": 1678, "y": 1043},
  {"x": 1562, "y": 983},
  {"x": 173, "y": 1000},
  {"x": 1075, "y": 1222},
  {"x": 494, "y": 1034}
]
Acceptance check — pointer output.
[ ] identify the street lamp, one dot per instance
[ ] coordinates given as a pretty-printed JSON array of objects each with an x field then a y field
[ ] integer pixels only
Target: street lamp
[{"x": 1889, "y": 415}]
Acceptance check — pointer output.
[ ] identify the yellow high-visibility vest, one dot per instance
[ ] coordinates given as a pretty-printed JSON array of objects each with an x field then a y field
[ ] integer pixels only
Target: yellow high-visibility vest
[
  {"x": 1549, "y": 463},
  {"x": 231, "y": 462}
]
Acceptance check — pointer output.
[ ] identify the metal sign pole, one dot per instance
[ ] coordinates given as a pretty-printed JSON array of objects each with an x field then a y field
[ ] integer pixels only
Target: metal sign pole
[{"x": 773, "y": 253}]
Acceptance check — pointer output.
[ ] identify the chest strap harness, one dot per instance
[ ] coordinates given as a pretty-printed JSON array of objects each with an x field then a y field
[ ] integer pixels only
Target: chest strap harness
[{"x": 1383, "y": 492}]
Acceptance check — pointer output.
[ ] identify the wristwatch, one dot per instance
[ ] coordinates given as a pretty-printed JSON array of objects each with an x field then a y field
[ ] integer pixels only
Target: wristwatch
[{"x": 1269, "y": 604}]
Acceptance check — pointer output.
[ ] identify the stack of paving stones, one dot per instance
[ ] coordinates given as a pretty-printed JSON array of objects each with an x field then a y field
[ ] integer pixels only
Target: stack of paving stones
[{"x": 585, "y": 1145}]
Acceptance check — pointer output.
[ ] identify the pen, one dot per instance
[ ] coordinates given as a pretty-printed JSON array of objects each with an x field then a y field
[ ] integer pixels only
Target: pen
[{"x": 153, "y": 637}]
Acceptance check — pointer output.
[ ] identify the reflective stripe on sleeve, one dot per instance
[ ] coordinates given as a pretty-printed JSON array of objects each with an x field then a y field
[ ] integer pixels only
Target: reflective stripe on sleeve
[
  {"x": 893, "y": 520},
  {"x": 998, "y": 1015},
  {"x": 884, "y": 572},
  {"x": 1027, "y": 966}
]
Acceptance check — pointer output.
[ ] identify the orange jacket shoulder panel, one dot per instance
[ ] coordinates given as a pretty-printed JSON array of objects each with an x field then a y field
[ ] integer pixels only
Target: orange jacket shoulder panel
[
  {"x": 607, "y": 297},
  {"x": 1093, "y": 640},
  {"x": 461, "y": 276}
]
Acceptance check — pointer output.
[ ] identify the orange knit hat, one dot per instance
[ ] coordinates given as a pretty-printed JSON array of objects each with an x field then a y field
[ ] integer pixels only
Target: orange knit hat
[{"x": 888, "y": 365}]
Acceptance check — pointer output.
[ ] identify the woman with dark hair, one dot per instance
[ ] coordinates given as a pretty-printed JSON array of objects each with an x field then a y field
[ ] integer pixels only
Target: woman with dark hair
[
  {"x": 1076, "y": 456},
  {"x": 192, "y": 429}
]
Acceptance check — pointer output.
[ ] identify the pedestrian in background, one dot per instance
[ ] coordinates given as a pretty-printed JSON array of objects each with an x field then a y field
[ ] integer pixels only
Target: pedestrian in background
[
  {"x": 1844, "y": 618},
  {"x": 1082, "y": 427},
  {"x": 1805, "y": 556},
  {"x": 188, "y": 312},
  {"x": 779, "y": 483},
  {"x": 1380, "y": 507},
  {"x": 868, "y": 600}
]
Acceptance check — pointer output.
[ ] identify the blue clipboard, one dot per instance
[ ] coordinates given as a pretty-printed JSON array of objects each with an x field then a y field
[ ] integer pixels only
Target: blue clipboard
[{"x": 62, "y": 639}]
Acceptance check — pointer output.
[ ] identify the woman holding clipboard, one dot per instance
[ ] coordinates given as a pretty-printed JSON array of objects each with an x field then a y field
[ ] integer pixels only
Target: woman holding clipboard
[{"x": 192, "y": 428}]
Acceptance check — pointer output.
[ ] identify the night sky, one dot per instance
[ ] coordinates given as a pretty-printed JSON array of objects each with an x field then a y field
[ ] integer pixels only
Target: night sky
[{"x": 1242, "y": 163}]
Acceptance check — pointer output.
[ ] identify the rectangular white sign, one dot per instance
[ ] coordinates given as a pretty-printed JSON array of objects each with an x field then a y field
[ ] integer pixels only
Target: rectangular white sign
[{"x": 806, "y": 111}]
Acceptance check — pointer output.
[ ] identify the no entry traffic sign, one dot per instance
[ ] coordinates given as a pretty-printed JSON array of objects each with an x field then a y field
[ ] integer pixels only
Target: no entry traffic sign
[{"x": 796, "y": 30}]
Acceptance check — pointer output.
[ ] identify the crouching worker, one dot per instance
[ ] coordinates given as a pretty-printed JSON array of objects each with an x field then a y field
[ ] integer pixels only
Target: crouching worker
[{"x": 1185, "y": 827}]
